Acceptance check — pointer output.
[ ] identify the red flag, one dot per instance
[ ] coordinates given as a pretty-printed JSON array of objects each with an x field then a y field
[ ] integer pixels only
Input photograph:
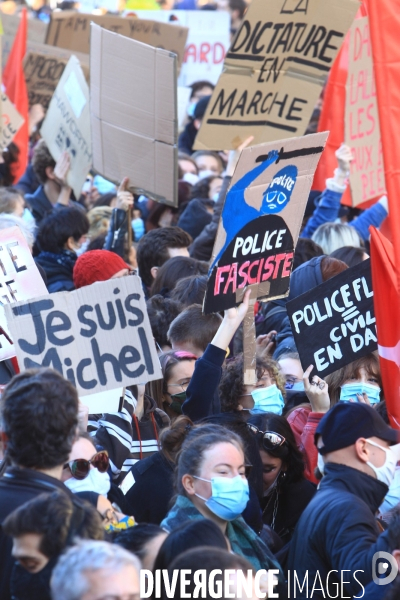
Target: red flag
[
  {"x": 384, "y": 18},
  {"x": 15, "y": 87},
  {"x": 387, "y": 315}
]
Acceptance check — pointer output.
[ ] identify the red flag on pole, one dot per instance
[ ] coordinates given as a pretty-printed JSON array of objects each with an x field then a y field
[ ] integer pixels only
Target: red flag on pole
[
  {"x": 384, "y": 18},
  {"x": 387, "y": 315},
  {"x": 15, "y": 87}
]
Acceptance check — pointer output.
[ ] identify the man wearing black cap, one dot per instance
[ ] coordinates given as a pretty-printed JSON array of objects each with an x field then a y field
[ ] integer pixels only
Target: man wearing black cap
[{"x": 332, "y": 550}]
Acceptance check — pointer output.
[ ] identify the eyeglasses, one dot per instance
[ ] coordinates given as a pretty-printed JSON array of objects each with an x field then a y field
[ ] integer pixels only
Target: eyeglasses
[
  {"x": 183, "y": 385},
  {"x": 271, "y": 440},
  {"x": 80, "y": 467}
]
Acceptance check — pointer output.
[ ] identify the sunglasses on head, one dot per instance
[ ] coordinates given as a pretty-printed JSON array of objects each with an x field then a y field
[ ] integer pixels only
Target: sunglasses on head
[
  {"x": 271, "y": 440},
  {"x": 80, "y": 467}
]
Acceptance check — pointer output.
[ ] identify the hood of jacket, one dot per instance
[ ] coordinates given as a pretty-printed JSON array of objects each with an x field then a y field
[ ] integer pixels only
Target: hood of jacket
[{"x": 305, "y": 277}]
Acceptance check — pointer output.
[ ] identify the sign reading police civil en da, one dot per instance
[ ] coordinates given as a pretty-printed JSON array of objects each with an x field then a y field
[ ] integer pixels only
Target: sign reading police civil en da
[
  {"x": 334, "y": 323},
  {"x": 98, "y": 337},
  {"x": 261, "y": 220}
]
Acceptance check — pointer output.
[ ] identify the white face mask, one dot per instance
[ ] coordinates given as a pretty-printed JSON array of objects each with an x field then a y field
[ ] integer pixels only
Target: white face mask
[
  {"x": 94, "y": 482},
  {"x": 386, "y": 472}
]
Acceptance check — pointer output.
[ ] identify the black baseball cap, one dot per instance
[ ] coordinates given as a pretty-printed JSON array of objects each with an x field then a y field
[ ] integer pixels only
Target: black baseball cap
[{"x": 346, "y": 422}]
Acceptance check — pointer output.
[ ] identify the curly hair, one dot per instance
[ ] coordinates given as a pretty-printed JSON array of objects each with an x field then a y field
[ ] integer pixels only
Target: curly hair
[
  {"x": 162, "y": 311},
  {"x": 40, "y": 418},
  {"x": 41, "y": 160},
  {"x": 58, "y": 519},
  {"x": 231, "y": 386},
  {"x": 289, "y": 453}
]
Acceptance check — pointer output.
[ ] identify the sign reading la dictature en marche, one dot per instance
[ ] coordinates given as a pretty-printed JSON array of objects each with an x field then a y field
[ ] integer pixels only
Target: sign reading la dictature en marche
[
  {"x": 261, "y": 220},
  {"x": 274, "y": 71},
  {"x": 98, "y": 337},
  {"x": 334, "y": 323}
]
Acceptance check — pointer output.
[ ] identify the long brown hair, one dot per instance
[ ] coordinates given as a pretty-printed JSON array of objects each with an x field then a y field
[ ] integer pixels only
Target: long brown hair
[{"x": 370, "y": 363}]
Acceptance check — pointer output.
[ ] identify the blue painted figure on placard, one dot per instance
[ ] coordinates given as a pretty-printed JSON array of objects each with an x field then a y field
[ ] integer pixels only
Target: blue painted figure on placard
[{"x": 237, "y": 213}]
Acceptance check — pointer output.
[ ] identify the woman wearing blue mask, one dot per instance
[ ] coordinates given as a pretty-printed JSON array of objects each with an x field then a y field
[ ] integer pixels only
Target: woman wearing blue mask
[
  {"x": 211, "y": 484},
  {"x": 286, "y": 490},
  {"x": 266, "y": 395},
  {"x": 360, "y": 381}
]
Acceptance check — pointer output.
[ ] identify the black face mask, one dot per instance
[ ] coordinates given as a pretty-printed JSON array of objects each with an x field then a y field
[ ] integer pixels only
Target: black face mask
[{"x": 31, "y": 586}]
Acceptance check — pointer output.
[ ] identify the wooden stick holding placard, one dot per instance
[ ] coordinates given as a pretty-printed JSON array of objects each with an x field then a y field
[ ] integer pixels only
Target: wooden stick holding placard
[{"x": 249, "y": 342}]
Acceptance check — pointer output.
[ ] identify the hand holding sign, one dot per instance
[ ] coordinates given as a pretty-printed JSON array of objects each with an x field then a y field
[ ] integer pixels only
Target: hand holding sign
[
  {"x": 233, "y": 317},
  {"x": 316, "y": 391},
  {"x": 124, "y": 197},
  {"x": 62, "y": 168}
]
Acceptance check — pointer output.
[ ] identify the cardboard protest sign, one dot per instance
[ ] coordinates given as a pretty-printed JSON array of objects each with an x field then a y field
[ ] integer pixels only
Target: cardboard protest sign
[
  {"x": 134, "y": 117},
  {"x": 11, "y": 121},
  {"x": 334, "y": 324},
  {"x": 67, "y": 124},
  {"x": 207, "y": 43},
  {"x": 36, "y": 33},
  {"x": 103, "y": 402},
  {"x": 72, "y": 30},
  {"x": 362, "y": 131},
  {"x": 98, "y": 337},
  {"x": 261, "y": 220},
  {"x": 43, "y": 67},
  {"x": 274, "y": 71},
  {"x": 19, "y": 280}
]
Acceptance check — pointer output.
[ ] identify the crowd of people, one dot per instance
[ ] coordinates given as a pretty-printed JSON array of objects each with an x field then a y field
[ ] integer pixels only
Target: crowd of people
[{"x": 294, "y": 475}]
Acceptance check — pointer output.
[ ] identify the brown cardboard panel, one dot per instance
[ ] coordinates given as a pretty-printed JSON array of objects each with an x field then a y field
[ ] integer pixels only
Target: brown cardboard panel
[
  {"x": 20, "y": 280},
  {"x": 134, "y": 118},
  {"x": 261, "y": 220},
  {"x": 11, "y": 121},
  {"x": 72, "y": 30},
  {"x": 362, "y": 131},
  {"x": 36, "y": 33},
  {"x": 99, "y": 337},
  {"x": 67, "y": 124},
  {"x": 274, "y": 71},
  {"x": 43, "y": 68}
]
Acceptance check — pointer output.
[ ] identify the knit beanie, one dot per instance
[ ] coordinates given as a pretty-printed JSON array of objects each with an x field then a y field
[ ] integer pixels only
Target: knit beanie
[{"x": 97, "y": 265}]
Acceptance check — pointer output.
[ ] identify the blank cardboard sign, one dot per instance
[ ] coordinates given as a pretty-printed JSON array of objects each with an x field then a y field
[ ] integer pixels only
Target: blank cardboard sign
[
  {"x": 334, "y": 323},
  {"x": 274, "y": 71},
  {"x": 19, "y": 280},
  {"x": 99, "y": 337},
  {"x": 261, "y": 220},
  {"x": 66, "y": 126},
  {"x": 134, "y": 114}
]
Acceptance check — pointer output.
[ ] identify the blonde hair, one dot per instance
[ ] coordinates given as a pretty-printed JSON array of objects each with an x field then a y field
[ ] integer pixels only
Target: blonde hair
[
  {"x": 331, "y": 236},
  {"x": 99, "y": 220}
]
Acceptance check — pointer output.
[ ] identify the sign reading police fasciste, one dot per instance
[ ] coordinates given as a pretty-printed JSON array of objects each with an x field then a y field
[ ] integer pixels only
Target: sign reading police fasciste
[
  {"x": 98, "y": 337},
  {"x": 261, "y": 220},
  {"x": 334, "y": 323}
]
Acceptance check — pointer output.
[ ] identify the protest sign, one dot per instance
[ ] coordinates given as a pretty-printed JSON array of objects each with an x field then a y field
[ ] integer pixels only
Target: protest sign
[
  {"x": 19, "y": 280},
  {"x": 103, "y": 402},
  {"x": 67, "y": 124},
  {"x": 36, "y": 33},
  {"x": 207, "y": 42},
  {"x": 11, "y": 121},
  {"x": 43, "y": 67},
  {"x": 334, "y": 323},
  {"x": 274, "y": 71},
  {"x": 134, "y": 115},
  {"x": 362, "y": 131},
  {"x": 98, "y": 337},
  {"x": 72, "y": 30},
  {"x": 261, "y": 220}
]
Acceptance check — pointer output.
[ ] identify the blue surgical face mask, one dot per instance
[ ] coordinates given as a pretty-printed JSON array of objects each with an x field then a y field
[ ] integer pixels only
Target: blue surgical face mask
[
  {"x": 349, "y": 391},
  {"x": 267, "y": 399},
  {"x": 298, "y": 386},
  {"x": 229, "y": 496}
]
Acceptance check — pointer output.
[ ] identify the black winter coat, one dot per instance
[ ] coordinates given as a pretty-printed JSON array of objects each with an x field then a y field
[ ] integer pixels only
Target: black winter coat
[{"x": 338, "y": 532}]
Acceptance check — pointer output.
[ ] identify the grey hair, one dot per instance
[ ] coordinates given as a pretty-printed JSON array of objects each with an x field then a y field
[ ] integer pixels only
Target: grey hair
[
  {"x": 68, "y": 581},
  {"x": 7, "y": 221},
  {"x": 331, "y": 236}
]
